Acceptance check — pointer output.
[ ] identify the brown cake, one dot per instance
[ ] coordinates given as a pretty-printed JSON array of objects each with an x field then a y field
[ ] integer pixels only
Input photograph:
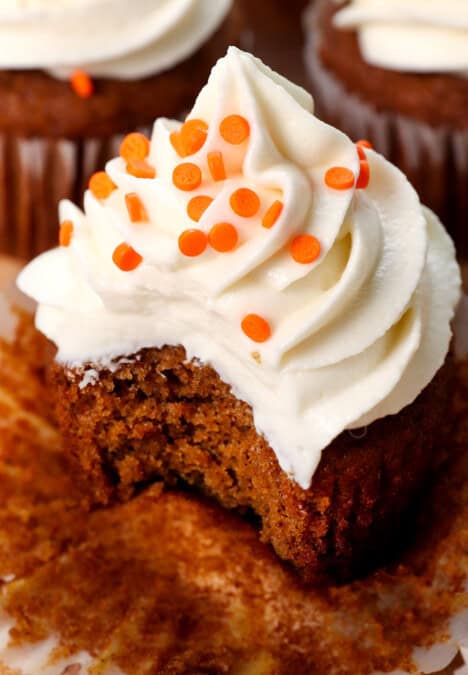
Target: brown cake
[
  {"x": 416, "y": 118},
  {"x": 68, "y": 126},
  {"x": 262, "y": 314}
]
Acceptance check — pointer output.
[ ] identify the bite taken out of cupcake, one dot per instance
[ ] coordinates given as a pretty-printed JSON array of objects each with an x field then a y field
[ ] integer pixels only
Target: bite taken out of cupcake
[
  {"x": 75, "y": 75},
  {"x": 257, "y": 306},
  {"x": 396, "y": 72}
]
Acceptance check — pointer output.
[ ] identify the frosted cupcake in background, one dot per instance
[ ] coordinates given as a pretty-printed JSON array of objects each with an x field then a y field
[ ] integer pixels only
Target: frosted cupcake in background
[
  {"x": 78, "y": 74},
  {"x": 396, "y": 72}
]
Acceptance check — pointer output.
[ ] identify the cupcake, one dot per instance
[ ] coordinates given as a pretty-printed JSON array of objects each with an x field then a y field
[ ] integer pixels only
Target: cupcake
[
  {"x": 261, "y": 309},
  {"x": 75, "y": 77},
  {"x": 395, "y": 72}
]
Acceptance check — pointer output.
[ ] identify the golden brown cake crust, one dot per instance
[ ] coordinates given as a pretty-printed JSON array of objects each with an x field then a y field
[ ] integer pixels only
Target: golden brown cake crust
[{"x": 160, "y": 416}]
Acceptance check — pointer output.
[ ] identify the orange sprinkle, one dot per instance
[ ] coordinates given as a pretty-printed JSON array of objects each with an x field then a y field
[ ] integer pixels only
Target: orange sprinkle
[
  {"x": 101, "y": 185},
  {"x": 339, "y": 178},
  {"x": 234, "y": 129},
  {"x": 66, "y": 233},
  {"x": 135, "y": 207},
  {"x": 187, "y": 177},
  {"x": 364, "y": 175},
  {"x": 192, "y": 243},
  {"x": 134, "y": 146},
  {"x": 126, "y": 258},
  {"x": 256, "y": 328},
  {"x": 197, "y": 207},
  {"x": 176, "y": 142},
  {"x": 193, "y": 136},
  {"x": 272, "y": 215},
  {"x": 245, "y": 202},
  {"x": 140, "y": 168},
  {"x": 82, "y": 84},
  {"x": 216, "y": 166},
  {"x": 360, "y": 148},
  {"x": 305, "y": 249},
  {"x": 223, "y": 237}
]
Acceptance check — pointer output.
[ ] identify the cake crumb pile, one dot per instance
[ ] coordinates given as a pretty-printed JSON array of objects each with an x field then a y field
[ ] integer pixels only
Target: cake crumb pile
[{"x": 170, "y": 583}]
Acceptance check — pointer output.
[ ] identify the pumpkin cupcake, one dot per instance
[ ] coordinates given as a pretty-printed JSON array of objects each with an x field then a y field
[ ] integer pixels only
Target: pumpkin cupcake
[
  {"x": 395, "y": 72},
  {"x": 258, "y": 307},
  {"x": 75, "y": 76}
]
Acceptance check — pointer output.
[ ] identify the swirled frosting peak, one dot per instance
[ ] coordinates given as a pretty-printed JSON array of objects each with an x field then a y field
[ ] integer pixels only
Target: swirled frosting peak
[
  {"x": 109, "y": 38},
  {"x": 410, "y": 35},
  {"x": 301, "y": 267}
]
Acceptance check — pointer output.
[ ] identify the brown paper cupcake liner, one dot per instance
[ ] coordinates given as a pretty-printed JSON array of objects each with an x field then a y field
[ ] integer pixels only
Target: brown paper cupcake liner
[
  {"x": 35, "y": 174},
  {"x": 435, "y": 160}
]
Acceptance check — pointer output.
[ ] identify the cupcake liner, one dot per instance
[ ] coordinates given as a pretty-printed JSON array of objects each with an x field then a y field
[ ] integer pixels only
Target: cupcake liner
[
  {"x": 140, "y": 587},
  {"x": 35, "y": 174},
  {"x": 435, "y": 160}
]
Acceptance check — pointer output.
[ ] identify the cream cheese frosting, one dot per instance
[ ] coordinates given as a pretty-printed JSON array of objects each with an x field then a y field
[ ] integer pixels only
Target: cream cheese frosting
[
  {"x": 358, "y": 328},
  {"x": 108, "y": 38},
  {"x": 426, "y": 36}
]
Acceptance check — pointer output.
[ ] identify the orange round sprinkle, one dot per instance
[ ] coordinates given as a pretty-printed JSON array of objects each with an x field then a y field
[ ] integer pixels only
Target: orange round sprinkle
[
  {"x": 305, "y": 249},
  {"x": 272, "y": 215},
  {"x": 134, "y": 146},
  {"x": 187, "y": 177},
  {"x": 82, "y": 84},
  {"x": 235, "y": 129},
  {"x": 256, "y": 328},
  {"x": 197, "y": 207},
  {"x": 245, "y": 202},
  {"x": 66, "y": 233},
  {"x": 140, "y": 168},
  {"x": 101, "y": 185},
  {"x": 364, "y": 175},
  {"x": 126, "y": 258},
  {"x": 176, "y": 142},
  {"x": 223, "y": 237},
  {"x": 135, "y": 208},
  {"x": 339, "y": 178},
  {"x": 360, "y": 148},
  {"x": 192, "y": 243},
  {"x": 193, "y": 136},
  {"x": 216, "y": 166}
]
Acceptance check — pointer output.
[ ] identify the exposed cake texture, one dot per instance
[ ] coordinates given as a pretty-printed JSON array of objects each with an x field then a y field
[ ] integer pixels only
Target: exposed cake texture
[{"x": 163, "y": 417}]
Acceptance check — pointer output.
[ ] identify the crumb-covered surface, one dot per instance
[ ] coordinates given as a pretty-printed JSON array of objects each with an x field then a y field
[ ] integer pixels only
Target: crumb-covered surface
[
  {"x": 169, "y": 583},
  {"x": 160, "y": 416}
]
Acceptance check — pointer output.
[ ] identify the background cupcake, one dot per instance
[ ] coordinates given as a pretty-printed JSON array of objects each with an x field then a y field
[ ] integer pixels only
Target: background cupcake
[
  {"x": 396, "y": 73},
  {"x": 79, "y": 74}
]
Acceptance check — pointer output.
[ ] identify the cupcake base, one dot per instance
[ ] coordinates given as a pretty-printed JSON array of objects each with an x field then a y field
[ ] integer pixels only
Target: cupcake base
[
  {"x": 162, "y": 417},
  {"x": 433, "y": 154}
]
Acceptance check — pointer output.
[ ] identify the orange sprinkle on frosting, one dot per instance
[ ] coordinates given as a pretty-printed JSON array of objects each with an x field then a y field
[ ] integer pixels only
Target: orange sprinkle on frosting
[
  {"x": 101, "y": 185},
  {"x": 361, "y": 147},
  {"x": 235, "y": 129},
  {"x": 216, "y": 166},
  {"x": 272, "y": 215},
  {"x": 187, "y": 177},
  {"x": 134, "y": 146},
  {"x": 364, "y": 175},
  {"x": 223, "y": 237},
  {"x": 135, "y": 207},
  {"x": 193, "y": 136},
  {"x": 192, "y": 243},
  {"x": 140, "y": 168},
  {"x": 176, "y": 142},
  {"x": 197, "y": 207},
  {"x": 126, "y": 258},
  {"x": 339, "y": 178},
  {"x": 82, "y": 84},
  {"x": 245, "y": 202},
  {"x": 305, "y": 249},
  {"x": 66, "y": 233},
  {"x": 256, "y": 328}
]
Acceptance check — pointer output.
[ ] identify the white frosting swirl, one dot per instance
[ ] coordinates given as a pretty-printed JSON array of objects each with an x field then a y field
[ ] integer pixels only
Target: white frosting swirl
[
  {"x": 410, "y": 35},
  {"x": 356, "y": 335},
  {"x": 108, "y": 38}
]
